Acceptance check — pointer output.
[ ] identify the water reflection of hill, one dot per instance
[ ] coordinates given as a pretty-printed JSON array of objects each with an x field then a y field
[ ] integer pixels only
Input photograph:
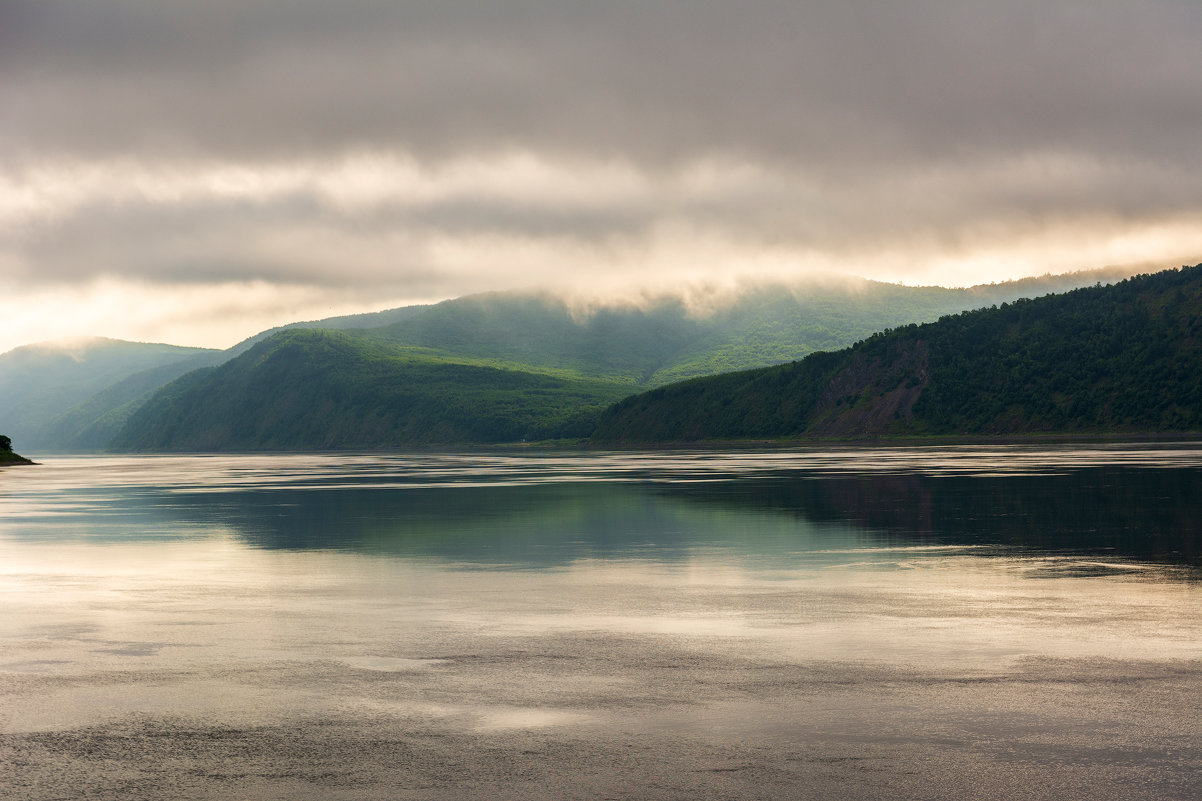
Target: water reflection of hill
[
  {"x": 1134, "y": 512},
  {"x": 544, "y": 511},
  {"x": 541, "y": 525}
]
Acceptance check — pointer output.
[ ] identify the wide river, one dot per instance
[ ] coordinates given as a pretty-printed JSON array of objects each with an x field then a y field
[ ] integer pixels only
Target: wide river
[{"x": 931, "y": 623}]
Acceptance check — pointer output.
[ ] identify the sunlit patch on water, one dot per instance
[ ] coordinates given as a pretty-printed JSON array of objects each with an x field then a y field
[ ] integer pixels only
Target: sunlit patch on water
[
  {"x": 391, "y": 664},
  {"x": 501, "y": 719},
  {"x": 1082, "y": 568}
]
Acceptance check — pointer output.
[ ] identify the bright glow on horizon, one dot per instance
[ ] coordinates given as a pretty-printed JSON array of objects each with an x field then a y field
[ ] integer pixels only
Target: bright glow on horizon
[
  {"x": 194, "y": 172},
  {"x": 282, "y": 243},
  {"x": 204, "y": 316}
]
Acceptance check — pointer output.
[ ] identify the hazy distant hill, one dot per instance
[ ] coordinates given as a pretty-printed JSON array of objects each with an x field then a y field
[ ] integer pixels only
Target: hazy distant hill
[
  {"x": 495, "y": 368},
  {"x": 1126, "y": 357},
  {"x": 91, "y": 424},
  {"x": 324, "y": 389},
  {"x": 643, "y": 344},
  {"x": 74, "y": 396},
  {"x": 345, "y": 322},
  {"x": 40, "y": 382},
  {"x": 665, "y": 339}
]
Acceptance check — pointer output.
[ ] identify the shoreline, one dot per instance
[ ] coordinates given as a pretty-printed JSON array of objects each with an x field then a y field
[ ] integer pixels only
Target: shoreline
[
  {"x": 917, "y": 440},
  {"x": 780, "y": 443}
]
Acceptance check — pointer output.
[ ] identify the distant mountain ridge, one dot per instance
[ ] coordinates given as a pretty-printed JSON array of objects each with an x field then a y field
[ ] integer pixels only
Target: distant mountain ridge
[
  {"x": 654, "y": 342},
  {"x": 348, "y": 321},
  {"x": 80, "y": 404},
  {"x": 662, "y": 339},
  {"x": 39, "y": 383},
  {"x": 1106, "y": 359}
]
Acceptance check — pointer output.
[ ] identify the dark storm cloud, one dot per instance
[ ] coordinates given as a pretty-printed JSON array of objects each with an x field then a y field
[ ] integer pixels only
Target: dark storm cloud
[
  {"x": 298, "y": 232},
  {"x": 841, "y": 86},
  {"x": 424, "y": 150}
]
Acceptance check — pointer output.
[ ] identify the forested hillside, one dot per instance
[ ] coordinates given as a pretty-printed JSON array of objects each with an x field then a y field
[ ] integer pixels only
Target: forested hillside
[
  {"x": 667, "y": 338},
  {"x": 341, "y": 323},
  {"x": 319, "y": 390},
  {"x": 75, "y": 396},
  {"x": 1121, "y": 358},
  {"x": 634, "y": 343},
  {"x": 7, "y": 455}
]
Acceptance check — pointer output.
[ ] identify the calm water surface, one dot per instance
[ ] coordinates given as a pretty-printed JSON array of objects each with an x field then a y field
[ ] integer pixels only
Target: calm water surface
[{"x": 960, "y": 622}]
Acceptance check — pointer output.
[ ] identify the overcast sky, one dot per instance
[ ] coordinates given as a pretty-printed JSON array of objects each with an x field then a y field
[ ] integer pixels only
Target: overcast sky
[{"x": 194, "y": 172}]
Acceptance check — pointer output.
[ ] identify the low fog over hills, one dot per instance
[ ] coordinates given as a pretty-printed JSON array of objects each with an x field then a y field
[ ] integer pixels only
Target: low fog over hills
[{"x": 77, "y": 396}]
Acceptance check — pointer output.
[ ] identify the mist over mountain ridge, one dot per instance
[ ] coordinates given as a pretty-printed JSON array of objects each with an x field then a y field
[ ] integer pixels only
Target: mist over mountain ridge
[
  {"x": 40, "y": 382},
  {"x": 1121, "y": 358},
  {"x": 644, "y": 338}
]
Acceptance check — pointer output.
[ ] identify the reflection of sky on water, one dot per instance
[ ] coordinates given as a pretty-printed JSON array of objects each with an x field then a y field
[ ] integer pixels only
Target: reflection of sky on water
[
  {"x": 543, "y": 509},
  {"x": 704, "y": 611}
]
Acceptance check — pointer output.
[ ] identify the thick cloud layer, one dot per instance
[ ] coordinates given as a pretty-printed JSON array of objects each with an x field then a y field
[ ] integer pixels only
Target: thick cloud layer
[
  {"x": 856, "y": 81},
  {"x": 395, "y": 150}
]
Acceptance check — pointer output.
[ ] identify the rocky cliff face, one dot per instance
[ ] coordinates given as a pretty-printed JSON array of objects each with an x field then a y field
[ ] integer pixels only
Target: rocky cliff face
[
  {"x": 1121, "y": 359},
  {"x": 873, "y": 395}
]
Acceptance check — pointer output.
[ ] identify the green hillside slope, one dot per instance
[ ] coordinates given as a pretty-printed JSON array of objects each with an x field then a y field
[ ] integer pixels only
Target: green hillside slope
[
  {"x": 317, "y": 389},
  {"x": 648, "y": 344},
  {"x": 91, "y": 425},
  {"x": 1126, "y": 357},
  {"x": 40, "y": 382},
  {"x": 378, "y": 319},
  {"x": 665, "y": 339},
  {"x": 77, "y": 396}
]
